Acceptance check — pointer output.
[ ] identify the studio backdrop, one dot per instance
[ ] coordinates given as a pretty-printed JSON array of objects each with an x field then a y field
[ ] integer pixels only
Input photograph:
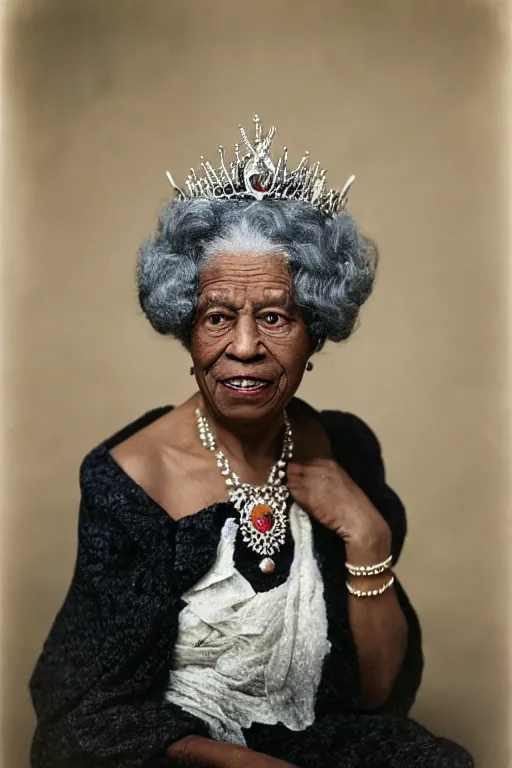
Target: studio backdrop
[{"x": 100, "y": 99}]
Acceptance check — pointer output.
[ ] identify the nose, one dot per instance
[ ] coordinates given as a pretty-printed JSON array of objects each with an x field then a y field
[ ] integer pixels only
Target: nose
[{"x": 245, "y": 344}]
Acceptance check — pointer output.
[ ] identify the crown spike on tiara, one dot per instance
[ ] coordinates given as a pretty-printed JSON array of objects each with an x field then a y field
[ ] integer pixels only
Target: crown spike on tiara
[
  {"x": 257, "y": 129},
  {"x": 348, "y": 184},
  {"x": 177, "y": 189},
  {"x": 246, "y": 141},
  {"x": 255, "y": 176}
]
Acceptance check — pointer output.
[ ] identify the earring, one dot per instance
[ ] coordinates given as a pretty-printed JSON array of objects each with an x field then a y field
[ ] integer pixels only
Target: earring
[
  {"x": 309, "y": 366},
  {"x": 191, "y": 371}
]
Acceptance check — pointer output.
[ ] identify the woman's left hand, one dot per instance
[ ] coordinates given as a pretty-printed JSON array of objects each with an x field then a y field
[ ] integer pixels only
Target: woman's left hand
[{"x": 324, "y": 490}]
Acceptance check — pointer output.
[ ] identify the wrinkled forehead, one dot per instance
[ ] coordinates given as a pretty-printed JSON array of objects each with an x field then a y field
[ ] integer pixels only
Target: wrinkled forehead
[{"x": 239, "y": 278}]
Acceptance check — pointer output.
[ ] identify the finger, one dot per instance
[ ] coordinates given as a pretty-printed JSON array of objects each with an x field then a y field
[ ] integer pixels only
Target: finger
[
  {"x": 295, "y": 469},
  {"x": 310, "y": 467},
  {"x": 296, "y": 483},
  {"x": 315, "y": 466},
  {"x": 320, "y": 461}
]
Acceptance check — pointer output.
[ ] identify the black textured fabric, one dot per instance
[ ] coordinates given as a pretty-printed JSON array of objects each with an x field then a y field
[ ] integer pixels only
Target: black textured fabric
[{"x": 98, "y": 685}]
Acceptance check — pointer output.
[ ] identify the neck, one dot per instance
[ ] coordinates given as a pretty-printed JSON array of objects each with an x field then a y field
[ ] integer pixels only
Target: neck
[{"x": 257, "y": 444}]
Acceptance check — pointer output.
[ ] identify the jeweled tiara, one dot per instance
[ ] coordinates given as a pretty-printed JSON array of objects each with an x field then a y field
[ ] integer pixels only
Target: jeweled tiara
[{"x": 255, "y": 176}]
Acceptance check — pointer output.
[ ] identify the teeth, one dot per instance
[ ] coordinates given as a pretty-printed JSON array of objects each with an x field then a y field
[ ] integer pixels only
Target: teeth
[{"x": 244, "y": 383}]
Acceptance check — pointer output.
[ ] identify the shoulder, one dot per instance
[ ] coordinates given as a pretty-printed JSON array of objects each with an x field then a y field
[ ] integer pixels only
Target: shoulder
[
  {"x": 106, "y": 489},
  {"x": 355, "y": 446},
  {"x": 348, "y": 432},
  {"x": 133, "y": 427},
  {"x": 341, "y": 433},
  {"x": 124, "y": 433}
]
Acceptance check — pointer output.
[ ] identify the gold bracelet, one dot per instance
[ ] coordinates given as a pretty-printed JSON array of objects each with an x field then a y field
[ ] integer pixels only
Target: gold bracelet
[
  {"x": 369, "y": 570},
  {"x": 370, "y": 592}
]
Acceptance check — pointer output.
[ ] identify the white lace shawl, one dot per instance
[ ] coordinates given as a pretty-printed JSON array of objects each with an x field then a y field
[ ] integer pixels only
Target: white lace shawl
[{"x": 244, "y": 657}]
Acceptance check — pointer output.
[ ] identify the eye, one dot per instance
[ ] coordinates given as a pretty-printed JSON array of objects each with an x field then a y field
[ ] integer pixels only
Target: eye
[
  {"x": 272, "y": 318},
  {"x": 216, "y": 318}
]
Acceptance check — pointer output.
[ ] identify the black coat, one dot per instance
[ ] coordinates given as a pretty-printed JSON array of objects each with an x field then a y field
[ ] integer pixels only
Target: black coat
[{"x": 98, "y": 685}]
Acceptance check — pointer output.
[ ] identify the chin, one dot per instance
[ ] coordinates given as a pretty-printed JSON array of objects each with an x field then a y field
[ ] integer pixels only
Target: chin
[
  {"x": 246, "y": 413},
  {"x": 247, "y": 408}
]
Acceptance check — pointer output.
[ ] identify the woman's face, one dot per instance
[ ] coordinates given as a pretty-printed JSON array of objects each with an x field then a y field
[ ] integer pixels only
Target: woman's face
[{"x": 250, "y": 344}]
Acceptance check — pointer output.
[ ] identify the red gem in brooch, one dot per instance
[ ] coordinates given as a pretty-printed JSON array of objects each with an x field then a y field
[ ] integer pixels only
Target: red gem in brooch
[{"x": 262, "y": 518}]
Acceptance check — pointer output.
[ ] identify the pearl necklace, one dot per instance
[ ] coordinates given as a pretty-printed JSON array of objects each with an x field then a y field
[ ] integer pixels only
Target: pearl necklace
[{"x": 262, "y": 508}]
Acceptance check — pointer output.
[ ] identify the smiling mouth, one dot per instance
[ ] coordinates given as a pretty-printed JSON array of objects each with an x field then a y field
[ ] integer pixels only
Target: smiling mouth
[{"x": 245, "y": 385}]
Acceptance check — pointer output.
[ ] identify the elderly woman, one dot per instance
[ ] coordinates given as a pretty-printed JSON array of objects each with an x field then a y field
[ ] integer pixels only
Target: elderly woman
[{"x": 233, "y": 602}]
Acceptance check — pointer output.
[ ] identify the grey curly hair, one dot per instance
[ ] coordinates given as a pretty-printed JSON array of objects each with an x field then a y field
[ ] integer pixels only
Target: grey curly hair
[{"x": 332, "y": 264}]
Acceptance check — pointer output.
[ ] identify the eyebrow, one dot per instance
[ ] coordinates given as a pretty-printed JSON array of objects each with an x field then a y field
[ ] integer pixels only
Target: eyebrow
[
  {"x": 284, "y": 302},
  {"x": 215, "y": 301}
]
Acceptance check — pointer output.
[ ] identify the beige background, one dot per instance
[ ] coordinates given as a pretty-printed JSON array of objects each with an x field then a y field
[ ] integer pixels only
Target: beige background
[{"x": 100, "y": 98}]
